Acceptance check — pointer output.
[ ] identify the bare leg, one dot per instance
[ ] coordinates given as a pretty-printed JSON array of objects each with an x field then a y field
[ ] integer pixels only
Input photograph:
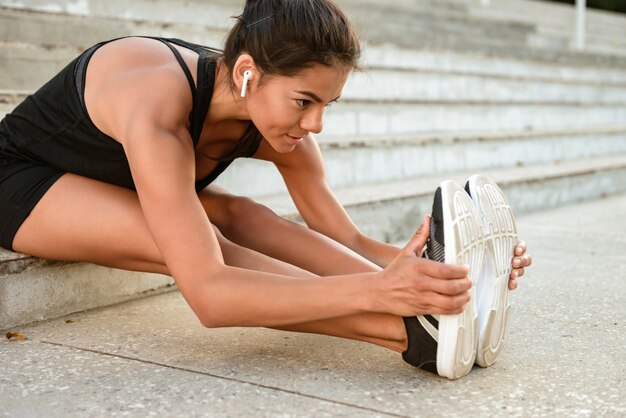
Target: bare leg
[
  {"x": 255, "y": 226},
  {"x": 80, "y": 219}
]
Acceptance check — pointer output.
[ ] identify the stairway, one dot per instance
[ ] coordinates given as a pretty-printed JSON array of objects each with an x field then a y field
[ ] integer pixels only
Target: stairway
[{"x": 450, "y": 88}]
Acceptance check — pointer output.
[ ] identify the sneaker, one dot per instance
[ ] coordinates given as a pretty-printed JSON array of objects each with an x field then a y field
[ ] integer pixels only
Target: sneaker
[
  {"x": 492, "y": 289},
  {"x": 446, "y": 344}
]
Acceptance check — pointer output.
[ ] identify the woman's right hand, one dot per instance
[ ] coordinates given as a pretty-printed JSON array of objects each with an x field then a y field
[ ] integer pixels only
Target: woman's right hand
[{"x": 412, "y": 285}]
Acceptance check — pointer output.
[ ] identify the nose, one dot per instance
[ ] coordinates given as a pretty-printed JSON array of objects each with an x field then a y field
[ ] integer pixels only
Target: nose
[{"x": 312, "y": 122}]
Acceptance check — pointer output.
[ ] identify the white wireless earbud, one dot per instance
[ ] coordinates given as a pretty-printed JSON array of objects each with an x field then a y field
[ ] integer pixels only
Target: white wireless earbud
[{"x": 246, "y": 76}]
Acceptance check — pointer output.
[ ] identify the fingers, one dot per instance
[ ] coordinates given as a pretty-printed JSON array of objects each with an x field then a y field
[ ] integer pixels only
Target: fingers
[
  {"x": 418, "y": 242},
  {"x": 523, "y": 261},
  {"x": 447, "y": 305},
  {"x": 445, "y": 292},
  {"x": 439, "y": 270},
  {"x": 515, "y": 274},
  {"x": 520, "y": 261},
  {"x": 451, "y": 287}
]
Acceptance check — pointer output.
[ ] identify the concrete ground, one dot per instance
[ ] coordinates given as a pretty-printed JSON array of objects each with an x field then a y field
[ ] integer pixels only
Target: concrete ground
[{"x": 565, "y": 355}]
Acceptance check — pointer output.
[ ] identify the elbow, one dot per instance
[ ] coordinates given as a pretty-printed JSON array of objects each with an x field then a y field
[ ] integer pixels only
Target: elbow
[
  {"x": 210, "y": 317},
  {"x": 209, "y": 302},
  {"x": 208, "y": 321}
]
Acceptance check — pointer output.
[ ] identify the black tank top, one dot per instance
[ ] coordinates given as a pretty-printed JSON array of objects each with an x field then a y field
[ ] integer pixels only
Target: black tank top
[{"x": 52, "y": 126}]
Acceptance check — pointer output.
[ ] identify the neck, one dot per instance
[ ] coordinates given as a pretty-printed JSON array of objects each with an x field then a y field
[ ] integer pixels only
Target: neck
[{"x": 226, "y": 103}]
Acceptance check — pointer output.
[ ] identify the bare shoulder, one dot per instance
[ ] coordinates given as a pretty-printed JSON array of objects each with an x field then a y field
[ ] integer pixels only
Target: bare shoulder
[{"x": 136, "y": 80}]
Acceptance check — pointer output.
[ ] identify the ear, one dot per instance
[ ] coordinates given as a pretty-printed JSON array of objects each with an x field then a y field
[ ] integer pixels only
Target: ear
[{"x": 245, "y": 63}]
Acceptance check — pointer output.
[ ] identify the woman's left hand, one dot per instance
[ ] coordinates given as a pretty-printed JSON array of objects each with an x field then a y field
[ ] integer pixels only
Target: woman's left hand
[{"x": 519, "y": 262}]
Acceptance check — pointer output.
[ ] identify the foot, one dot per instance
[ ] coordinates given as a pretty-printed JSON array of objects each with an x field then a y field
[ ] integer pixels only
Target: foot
[
  {"x": 446, "y": 345},
  {"x": 492, "y": 292}
]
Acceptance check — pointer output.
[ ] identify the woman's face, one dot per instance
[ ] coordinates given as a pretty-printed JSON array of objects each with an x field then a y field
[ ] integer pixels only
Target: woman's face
[{"x": 287, "y": 109}]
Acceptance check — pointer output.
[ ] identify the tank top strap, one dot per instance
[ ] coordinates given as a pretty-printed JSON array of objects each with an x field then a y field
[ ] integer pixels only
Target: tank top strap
[
  {"x": 183, "y": 65},
  {"x": 206, "y": 82},
  {"x": 207, "y": 61}
]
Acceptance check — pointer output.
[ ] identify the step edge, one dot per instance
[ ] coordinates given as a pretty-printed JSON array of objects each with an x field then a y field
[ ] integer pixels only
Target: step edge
[{"x": 419, "y": 186}]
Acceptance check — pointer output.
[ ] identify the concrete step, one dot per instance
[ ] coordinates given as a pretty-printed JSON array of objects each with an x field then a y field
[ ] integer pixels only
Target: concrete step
[
  {"x": 13, "y": 96},
  {"x": 368, "y": 118},
  {"x": 61, "y": 22},
  {"x": 32, "y": 289},
  {"x": 449, "y": 25},
  {"x": 393, "y": 73},
  {"x": 477, "y": 64},
  {"x": 451, "y": 31},
  {"x": 411, "y": 84},
  {"x": 382, "y": 23},
  {"x": 467, "y": 106},
  {"x": 60, "y": 29},
  {"x": 392, "y": 211},
  {"x": 35, "y": 45},
  {"x": 459, "y": 29},
  {"x": 363, "y": 161},
  {"x": 9, "y": 99},
  {"x": 26, "y": 66},
  {"x": 553, "y": 16},
  {"x": 216, "y": 13},
  {"x": 612, "y": 38}
]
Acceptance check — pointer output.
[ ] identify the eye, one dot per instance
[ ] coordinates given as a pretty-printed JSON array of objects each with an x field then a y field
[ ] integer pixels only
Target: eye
[
  {"x": 303, "y": 102},
  {"x": 330, "y": 104}
]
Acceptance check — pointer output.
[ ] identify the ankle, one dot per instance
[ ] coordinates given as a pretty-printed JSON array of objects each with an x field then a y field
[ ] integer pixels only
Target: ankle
[
  {"x": 400, "y": 341},
  {"x": 390, "y": 332}
]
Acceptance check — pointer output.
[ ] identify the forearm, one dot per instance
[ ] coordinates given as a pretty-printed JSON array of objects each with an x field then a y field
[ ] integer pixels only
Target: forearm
[
  {"x": 375, "y": 251},
  {"x": 240, "y": 297}
]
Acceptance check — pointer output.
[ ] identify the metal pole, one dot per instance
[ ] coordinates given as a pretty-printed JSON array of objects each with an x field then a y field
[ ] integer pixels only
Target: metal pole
[{"x": 580, "y": 23}]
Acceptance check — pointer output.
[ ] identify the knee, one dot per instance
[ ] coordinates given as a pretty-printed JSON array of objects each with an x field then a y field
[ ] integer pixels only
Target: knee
[{"x": 245, "y": 214}]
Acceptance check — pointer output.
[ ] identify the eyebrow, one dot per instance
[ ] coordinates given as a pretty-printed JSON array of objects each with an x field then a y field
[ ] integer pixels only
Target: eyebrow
[{"x": 315, "y": 97}]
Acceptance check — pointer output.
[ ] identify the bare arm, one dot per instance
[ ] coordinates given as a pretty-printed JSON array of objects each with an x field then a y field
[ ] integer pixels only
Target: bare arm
[{"x": 305, "y": 177}]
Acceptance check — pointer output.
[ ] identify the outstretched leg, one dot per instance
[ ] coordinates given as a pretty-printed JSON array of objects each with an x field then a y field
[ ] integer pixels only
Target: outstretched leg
[
  {"x": 81, "y": 219},
  {"x": 257, "y": 227}
]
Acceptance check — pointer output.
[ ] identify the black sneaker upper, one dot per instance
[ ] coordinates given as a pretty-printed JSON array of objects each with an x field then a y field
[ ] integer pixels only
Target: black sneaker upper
[
  {"x": 422, "y": 347},
  {"x": 436, "y": 249},
  {"x": 467, "y": 188},
  {"x": 422, "y": 350}
]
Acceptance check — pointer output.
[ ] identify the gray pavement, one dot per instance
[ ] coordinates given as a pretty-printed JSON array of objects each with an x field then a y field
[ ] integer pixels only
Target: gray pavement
[{"x": 564, "y": 355}]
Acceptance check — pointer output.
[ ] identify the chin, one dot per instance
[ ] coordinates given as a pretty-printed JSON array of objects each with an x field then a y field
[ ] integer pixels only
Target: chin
[
  {"x": 282, "y": 146},
  {"x": 285, "y": 149}
]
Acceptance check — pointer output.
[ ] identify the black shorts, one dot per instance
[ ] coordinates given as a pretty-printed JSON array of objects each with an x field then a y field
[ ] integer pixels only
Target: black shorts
[{"x": 22, "y": 185}]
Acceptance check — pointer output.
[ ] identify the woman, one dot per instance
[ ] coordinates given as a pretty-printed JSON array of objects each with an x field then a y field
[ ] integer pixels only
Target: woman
[{"x": 111, "y": 163}]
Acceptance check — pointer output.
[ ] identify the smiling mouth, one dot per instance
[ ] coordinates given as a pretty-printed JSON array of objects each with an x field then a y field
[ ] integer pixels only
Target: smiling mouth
[{"x": 295, "y": 138}]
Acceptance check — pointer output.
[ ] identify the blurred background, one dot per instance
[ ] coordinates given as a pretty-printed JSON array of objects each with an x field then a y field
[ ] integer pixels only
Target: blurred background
[{"x": 530, "y": 92}]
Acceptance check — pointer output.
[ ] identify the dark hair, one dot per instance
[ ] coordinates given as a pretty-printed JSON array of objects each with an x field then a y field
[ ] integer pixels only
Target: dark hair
[{"x": 285, "y": 37}]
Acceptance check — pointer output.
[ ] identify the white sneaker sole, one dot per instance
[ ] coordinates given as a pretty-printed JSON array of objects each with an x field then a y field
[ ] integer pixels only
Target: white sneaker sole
[
  {"x": 492, "y": 289},
  {"x": 464, "y": 244}
]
